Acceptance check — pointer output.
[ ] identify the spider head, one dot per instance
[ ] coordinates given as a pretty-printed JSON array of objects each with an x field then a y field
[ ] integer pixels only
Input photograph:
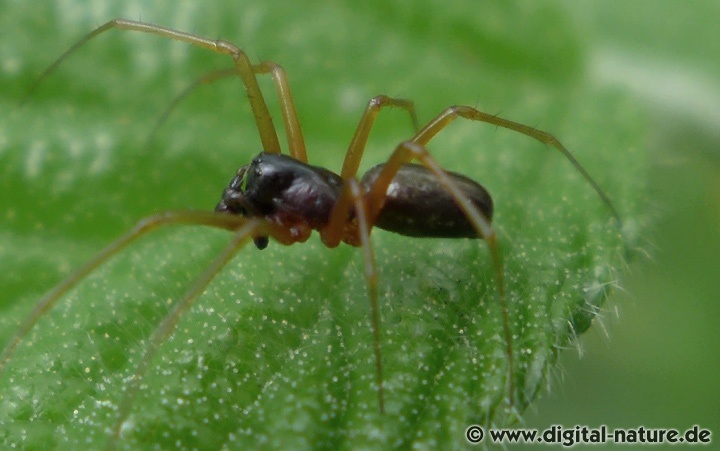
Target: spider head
[{"x": 235, "y": 202}]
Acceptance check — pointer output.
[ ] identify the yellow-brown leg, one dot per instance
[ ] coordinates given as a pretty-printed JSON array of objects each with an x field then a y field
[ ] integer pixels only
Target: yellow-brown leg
[
  {"x": 451, "y": 113},
  {"x": 405, "y": 153},
  {"x": 268, "y": 135},
  {"x": 243, "y": 234},
  {"x": 357, "y": 233},
  {"x": 357, "y": 145}
]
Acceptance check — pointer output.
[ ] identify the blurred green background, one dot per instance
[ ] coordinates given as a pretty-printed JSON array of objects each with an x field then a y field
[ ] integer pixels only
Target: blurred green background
[{"x": 652, "y": 359}]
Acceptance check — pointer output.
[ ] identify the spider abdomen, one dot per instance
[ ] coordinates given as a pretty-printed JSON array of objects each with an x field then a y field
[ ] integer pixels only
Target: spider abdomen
[{"x": 417, "y": 205}]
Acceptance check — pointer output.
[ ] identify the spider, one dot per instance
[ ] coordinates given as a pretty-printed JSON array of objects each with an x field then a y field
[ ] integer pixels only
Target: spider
[{"x": 284, "y": 198}]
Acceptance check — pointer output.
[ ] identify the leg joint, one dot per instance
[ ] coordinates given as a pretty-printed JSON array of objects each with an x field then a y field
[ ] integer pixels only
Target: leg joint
[{"x": 228, "y": 48}]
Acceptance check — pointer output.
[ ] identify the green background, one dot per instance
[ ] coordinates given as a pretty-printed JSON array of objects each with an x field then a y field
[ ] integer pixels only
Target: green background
[
  {"x": 650, "y": 361},
  {"x": 654, "y": 361}
]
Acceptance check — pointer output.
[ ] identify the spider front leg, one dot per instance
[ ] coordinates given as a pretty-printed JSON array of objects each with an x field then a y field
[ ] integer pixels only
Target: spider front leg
[
  {"x": 243, "y": 234},
  {"x": 243, "y": 68},
  {"x": 142, "y": 228},
  {"x": 208, "y": 78},
  {"x": 244, "y": 230},
  {"x": 293, "y": 132}
]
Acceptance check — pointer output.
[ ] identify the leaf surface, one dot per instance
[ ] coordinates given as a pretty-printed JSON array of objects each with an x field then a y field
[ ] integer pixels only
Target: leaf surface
[{"x": 278, "y": 350}]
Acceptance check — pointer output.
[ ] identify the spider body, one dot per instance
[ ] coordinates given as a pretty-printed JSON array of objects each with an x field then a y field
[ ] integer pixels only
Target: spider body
[
  {"x": 285, "y": 198},
  {"x": 301, "y": 198},
  {"x": 284, "y": 191},
  {"x": 417, "y": 205}
]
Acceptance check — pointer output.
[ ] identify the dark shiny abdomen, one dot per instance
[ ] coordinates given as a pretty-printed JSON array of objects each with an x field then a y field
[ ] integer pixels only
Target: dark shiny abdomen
[{"x": 418, "y": 206}]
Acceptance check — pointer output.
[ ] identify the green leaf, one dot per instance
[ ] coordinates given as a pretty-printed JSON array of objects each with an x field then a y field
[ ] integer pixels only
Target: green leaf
[{"x": 278, "y": 350}]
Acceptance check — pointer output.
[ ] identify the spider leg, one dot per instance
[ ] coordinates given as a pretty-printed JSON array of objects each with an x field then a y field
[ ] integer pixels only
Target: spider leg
[
  {"x": 357, "y": 145},
  {"x": 246, "y": 71},
  {"x": 451, "y": 113},
  {"x": 293, "y": 132},
  {"x": 243, "y": 234},
  {"x": 375, "y": 198},
  {"x": 351, "y": 200},
  {"x": 142, "y": 228},
  {"x": 296, "y": 143},
  {"x": 208, "y": 78}
]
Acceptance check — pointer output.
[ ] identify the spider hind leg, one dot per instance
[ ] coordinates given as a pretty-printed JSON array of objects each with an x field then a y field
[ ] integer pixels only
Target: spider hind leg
[{"x": 478, "y": 218}]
